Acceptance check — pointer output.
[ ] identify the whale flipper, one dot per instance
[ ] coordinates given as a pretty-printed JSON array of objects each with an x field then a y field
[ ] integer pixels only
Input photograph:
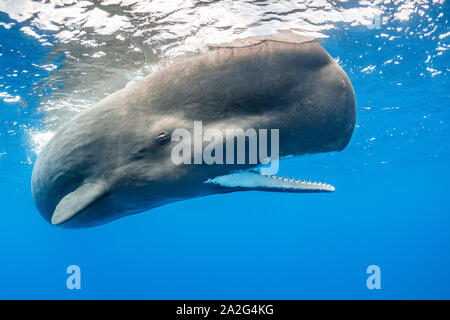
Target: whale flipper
[{"x": 78, "y": 200}]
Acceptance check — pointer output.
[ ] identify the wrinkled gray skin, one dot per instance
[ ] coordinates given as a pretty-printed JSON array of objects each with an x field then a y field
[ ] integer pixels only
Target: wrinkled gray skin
[{"x": 115, "y": 159}]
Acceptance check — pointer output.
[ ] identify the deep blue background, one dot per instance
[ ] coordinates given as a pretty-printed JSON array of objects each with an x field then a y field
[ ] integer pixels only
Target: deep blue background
[{"x": 390, "y": 208}]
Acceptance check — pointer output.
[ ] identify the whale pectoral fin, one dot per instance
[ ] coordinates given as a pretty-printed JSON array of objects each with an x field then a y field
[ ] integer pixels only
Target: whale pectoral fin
[
  {"x": 252, "y": 180},
  {"x": 77, "y": 201}
]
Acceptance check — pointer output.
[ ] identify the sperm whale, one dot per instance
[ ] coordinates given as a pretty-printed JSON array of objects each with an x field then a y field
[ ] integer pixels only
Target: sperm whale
[{"x": 114, "y": 159}]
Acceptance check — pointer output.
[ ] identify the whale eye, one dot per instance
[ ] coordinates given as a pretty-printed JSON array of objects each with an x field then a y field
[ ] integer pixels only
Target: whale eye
[{"x": 163, "y": 137}]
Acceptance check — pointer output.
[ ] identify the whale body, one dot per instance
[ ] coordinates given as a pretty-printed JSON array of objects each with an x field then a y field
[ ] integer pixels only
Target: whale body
[{"x": 114, "y": 159}]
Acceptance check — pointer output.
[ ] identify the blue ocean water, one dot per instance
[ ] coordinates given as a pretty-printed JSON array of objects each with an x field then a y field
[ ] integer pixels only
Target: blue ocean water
[{"x": 390, "y": 207}]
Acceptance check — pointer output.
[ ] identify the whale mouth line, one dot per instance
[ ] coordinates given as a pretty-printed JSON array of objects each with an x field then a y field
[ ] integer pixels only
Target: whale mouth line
[{"x": 255, "y": 180}]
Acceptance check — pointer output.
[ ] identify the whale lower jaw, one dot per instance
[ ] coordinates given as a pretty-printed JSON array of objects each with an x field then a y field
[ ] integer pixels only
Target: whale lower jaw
[{"x": 253, "y": 180}]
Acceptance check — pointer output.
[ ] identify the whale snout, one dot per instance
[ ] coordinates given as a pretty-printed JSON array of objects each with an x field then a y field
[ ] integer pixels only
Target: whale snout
[{"x": 335, "y": 91}]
